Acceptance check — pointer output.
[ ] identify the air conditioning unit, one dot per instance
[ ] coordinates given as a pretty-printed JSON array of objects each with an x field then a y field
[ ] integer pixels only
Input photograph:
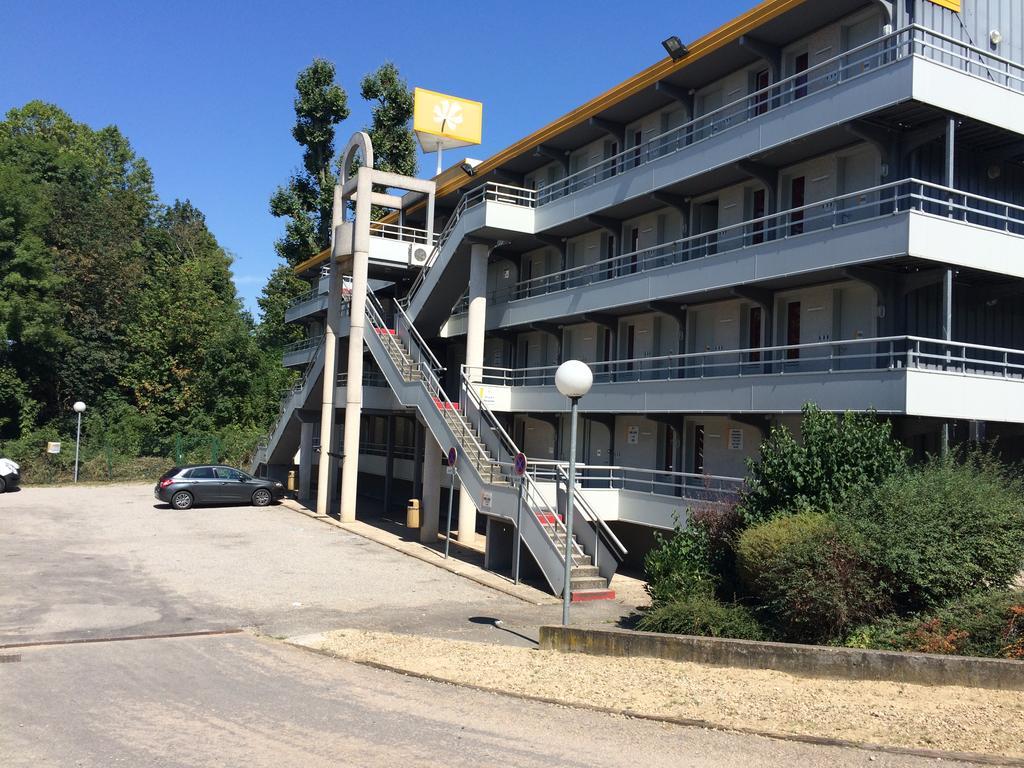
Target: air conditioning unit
[{"x": 418, "y": 255}]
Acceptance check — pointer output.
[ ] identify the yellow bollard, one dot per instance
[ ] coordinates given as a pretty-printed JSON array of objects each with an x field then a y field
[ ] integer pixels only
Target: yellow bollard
[{"x": 291, "y": 480}]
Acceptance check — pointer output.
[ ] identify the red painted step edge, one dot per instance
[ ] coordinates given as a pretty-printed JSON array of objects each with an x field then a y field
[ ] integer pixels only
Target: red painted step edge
[
  {"x": 587, "y": 595},
  {"x": 445, "y": 406},
  {"x": 547, "y": 519},
  {"x": 386, "y": 331}
]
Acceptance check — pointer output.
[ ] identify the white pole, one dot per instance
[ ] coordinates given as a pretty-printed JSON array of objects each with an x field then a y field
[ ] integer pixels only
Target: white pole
[
  {"x": 78, "y": 440},
  {"x": 566, "y": 596}
]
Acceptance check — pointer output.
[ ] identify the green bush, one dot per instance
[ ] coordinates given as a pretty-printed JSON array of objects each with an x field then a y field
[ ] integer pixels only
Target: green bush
[
  {"x": 699, "y": 613},
  {"x": 981, "y": 624},
  {"x": 948, "y": 529},
  {"x": 679, "y": 563},
  {"x": 808, "y": 573},
  {"x": 833, "y": 458}
]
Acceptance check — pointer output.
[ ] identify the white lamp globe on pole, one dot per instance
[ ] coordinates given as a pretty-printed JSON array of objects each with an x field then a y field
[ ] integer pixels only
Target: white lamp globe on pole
[
  {"x": 79, "y": 408},
  {"x": 573, "y": 379}
]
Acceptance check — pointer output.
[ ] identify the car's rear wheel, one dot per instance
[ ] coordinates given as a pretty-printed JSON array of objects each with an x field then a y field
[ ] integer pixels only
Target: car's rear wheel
[
  {"x": 261, "y": 497},
  {"x": 181, "y": 500},
  {"x": 3, "y": 485}
]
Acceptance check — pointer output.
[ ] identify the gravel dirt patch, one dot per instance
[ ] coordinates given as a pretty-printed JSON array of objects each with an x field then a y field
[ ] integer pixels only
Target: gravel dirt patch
[{"x": 943, "y": 718}]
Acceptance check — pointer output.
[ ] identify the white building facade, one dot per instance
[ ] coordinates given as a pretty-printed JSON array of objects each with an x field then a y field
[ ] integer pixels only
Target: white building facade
[{"x": 820, "y": 202}]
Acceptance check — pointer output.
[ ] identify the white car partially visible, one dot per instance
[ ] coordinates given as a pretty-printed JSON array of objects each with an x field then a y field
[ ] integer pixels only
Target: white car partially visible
[{"x": 10, "y": 475}]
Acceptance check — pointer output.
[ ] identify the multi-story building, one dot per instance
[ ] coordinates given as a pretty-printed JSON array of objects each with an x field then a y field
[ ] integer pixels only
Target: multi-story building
[{"x": 818, "y": 202}]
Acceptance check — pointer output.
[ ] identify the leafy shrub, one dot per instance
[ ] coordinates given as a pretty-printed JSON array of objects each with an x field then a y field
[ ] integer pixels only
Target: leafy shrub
[
  {"x": 981, "y": 624},
  {"x": 699, "y": 613},
  {"x": 679, "y": 564},
  {"x": 810, "y": 576},
  {"x": 948, "y": 529},
  {"x": 834, "y": 457}
]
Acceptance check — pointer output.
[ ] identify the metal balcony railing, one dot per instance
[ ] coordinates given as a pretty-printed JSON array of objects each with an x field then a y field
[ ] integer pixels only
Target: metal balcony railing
[
  {"x": 370, "y": 379},
  {"x": 882, "y": 353},
  {"x": 913, "y": 40},
  {"x": 711, "y": 488},
  {"x": 302, "y": 344},
  {"x": 399, "y": 232},
  {"x": 491, "y": 191},
  {"x": 873, "y": 203}
]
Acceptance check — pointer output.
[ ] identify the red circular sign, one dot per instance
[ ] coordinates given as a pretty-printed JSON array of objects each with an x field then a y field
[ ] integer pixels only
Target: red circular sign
[{"x": 519, "y": 465}]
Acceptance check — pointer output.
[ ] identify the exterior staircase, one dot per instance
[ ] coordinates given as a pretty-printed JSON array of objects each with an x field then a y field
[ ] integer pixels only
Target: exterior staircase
[{"x": 485, "y": 454}]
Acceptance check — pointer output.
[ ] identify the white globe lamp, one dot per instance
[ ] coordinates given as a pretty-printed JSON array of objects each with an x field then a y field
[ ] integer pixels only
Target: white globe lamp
[{"x": 573, "y": 379}]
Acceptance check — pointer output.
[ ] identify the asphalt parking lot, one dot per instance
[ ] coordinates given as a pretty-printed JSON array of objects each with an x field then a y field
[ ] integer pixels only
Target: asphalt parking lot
[{"x": 82, "y": 567}]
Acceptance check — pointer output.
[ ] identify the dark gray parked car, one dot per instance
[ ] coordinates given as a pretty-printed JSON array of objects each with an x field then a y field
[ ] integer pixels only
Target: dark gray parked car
[{"x": 181, "y": 487}]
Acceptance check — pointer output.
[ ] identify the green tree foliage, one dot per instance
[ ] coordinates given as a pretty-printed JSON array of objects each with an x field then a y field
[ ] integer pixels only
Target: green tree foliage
[
  {"x": 109, "y": 297},
  {"x": 307, "y": 199},
  {"x": 834, "y": 456},
  {"x": 394, "y": 148},
  {"x": 953, "y": 526}
]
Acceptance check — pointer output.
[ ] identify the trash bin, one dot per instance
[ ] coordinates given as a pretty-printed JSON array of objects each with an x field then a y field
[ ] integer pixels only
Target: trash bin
[
  {"x": 291, "y": 480},
  {"x": 412, "y": 514}
]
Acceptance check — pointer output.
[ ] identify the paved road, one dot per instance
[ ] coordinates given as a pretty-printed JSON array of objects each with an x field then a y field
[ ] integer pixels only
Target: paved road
[{"x": 87, "y": 563}]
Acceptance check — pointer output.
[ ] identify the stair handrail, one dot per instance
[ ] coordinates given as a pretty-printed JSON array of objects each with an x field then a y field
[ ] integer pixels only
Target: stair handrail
[
  {"x": 430, "y": 382},
  {"x": 531, "y": 493},
  {"x": 442, "y": 238},
  {"x": 415, "y": 334},
  {"x": 601, "y": 528},
  {"x": 488, "y": 191}
]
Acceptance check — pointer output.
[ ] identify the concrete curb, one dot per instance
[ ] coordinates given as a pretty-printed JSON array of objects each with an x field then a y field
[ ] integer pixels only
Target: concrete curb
[
  {"x": 430, "y": 559},
  {"x": 801, "y": 660},
  {"x": 965, "y": 757}
]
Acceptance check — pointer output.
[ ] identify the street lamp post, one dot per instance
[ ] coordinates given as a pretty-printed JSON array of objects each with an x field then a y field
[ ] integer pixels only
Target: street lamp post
[
  {"x": 79, "y": 407},
  {"x": 573, "y": 379}
]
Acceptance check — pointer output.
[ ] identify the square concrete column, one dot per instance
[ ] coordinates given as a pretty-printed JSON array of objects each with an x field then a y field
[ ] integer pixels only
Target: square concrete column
[
  {"x": 305, "y": 459},
  {"x": 430, "y": 504}
]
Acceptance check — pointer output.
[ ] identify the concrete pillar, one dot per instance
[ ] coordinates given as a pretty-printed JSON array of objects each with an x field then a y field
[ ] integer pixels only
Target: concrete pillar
[
  {"x": 325, "y": 484},
  {"x": 357, "y": 321},
  {"x": 305, "y": 459},
  {"x": 430, "y": 504},
  {"x": 475, "y": 333},
  {"x": 389, "y": 463}
]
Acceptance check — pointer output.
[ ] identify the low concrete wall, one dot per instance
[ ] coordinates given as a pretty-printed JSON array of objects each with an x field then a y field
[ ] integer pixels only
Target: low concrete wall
[{"x": 803, "y": 660}]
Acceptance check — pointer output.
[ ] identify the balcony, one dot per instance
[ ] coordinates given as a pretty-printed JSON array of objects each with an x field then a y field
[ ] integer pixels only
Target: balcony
[
  {"x": 377, "y": 394},
  {"x": 903, "y": 218},
  {"x": 913, "y": 63},
  {"x": 647, "y": 497},
  {"x": 300, "y": 352},
  {"x": 901, "y": 375}
]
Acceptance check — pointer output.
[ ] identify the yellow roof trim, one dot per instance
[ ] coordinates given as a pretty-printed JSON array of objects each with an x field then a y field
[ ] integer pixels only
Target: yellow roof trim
[
  {"x": 452, "y": 178},
  {"x": 312, "y": 261},
  {"x": 727, "y": 33}
]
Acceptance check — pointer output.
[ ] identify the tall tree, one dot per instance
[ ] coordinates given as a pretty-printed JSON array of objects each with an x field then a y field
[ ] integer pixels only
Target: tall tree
[
  {"x": 307, "y": 199},
  {"x": 393, "y": 146}
]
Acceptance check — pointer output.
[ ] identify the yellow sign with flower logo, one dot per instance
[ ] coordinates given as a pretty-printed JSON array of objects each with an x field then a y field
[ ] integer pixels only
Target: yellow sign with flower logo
[
  {"x": 953, "y": 5},
  {"x": 444, "y": 122}
]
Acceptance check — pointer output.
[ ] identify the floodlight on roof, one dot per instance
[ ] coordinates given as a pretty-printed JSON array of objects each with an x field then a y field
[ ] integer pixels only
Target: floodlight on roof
[{"x": 674, "y": 47}]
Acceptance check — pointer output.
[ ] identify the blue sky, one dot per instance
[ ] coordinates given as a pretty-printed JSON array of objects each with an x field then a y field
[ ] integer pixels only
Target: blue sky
[{"x": 204, "y": 89}]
